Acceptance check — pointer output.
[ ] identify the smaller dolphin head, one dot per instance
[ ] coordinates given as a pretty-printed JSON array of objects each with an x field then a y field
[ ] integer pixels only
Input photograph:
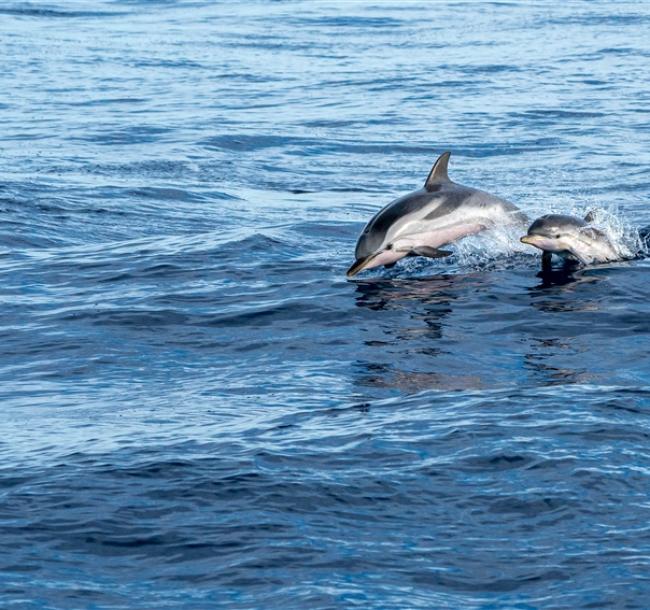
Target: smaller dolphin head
[{"x": 554, "y": 233}]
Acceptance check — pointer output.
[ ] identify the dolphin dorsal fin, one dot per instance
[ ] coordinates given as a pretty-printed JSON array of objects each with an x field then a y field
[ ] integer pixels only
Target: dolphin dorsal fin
[{"x": 438, "y": 172}]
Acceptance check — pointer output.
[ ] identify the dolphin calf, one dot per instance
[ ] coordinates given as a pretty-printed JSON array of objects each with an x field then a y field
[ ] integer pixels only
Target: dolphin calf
[
  {"x": 571, "y": 238},
  {"x": 419, "y": 223}
]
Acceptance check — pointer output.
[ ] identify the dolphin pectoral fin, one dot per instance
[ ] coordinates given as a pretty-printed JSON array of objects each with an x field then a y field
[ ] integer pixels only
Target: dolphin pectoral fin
[
  {"x": 546, "y": 261},
  {"x": 579, "y": 259},
  {"x": 572, "y": 256},
  {"x": 430, "y": 252}
]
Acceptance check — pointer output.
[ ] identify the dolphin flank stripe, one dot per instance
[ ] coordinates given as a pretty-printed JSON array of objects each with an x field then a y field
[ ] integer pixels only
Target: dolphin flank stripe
[{"x": 451, "y": 202}]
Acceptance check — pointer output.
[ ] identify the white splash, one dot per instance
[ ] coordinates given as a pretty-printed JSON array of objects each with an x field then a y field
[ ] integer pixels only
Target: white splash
[
  {"x": 619, "y": 231},
  {"x": 501, "y": 245},
  {"x": 498, "y": 244}
]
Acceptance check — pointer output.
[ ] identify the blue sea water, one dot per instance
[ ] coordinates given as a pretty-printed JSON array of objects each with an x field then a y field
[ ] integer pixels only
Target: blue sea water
[{"x": 200, "y": 411}]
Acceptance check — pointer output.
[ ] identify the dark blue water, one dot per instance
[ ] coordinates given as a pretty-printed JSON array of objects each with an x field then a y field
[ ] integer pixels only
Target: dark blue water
[{"x": 198, "y": 409}]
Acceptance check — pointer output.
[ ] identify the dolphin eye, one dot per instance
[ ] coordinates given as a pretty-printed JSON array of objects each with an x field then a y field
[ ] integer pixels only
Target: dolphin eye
[{"x": 389, "y": 247}]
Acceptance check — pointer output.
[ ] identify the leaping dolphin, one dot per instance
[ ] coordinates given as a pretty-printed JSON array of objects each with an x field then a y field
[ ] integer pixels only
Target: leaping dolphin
[
  {"x": 419, "y": 223},
  {"x": 571, "y": 238}
]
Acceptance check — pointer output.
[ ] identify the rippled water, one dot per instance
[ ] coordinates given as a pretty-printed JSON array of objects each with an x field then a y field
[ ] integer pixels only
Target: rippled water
[{"x": 200, "y": 411}]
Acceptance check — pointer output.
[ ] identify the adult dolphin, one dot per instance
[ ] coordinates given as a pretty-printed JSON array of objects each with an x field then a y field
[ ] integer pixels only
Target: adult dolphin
[{"x": 419, "y": 223}]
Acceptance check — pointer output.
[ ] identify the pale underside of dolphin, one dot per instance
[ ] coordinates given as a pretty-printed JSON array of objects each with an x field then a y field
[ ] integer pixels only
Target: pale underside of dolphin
[{"x": 420, "y": 223}]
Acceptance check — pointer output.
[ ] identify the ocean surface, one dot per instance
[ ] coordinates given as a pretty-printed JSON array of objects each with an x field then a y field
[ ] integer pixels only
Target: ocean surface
[{"x": 199, "y": 410}]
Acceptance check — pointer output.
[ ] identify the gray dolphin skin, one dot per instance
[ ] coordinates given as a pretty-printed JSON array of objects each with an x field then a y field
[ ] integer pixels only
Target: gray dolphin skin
[
  {"x": 571, "y": 238},
  {"x": 419, "y": 223}
]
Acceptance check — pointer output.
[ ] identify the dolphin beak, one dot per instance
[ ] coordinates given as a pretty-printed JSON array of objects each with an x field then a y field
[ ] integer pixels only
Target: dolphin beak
[
  {"x": 531, "y": 240},
  {"x": 359, "y": 265}
]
